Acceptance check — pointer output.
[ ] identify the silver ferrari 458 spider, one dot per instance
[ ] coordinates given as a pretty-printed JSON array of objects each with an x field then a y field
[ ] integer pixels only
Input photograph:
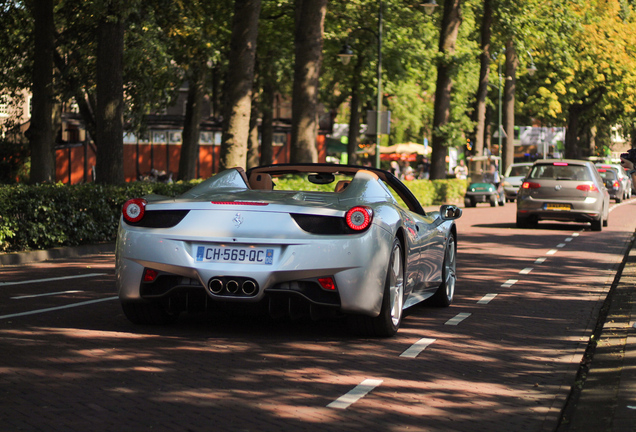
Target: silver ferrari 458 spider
[{"x": 360, "y": 245}]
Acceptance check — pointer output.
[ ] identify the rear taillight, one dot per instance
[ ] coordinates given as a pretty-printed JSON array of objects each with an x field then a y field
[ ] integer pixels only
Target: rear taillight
[
  {"x": 134, "y": 210},
  {"x": 587, "y": 188},
  {"x": 616, "y": 185},
  {"x": 530, "y": 185},
  {"x": 150, "y": 275},
  {"x": 327, "y": 283},
  {"x": 359, "y": 218}
]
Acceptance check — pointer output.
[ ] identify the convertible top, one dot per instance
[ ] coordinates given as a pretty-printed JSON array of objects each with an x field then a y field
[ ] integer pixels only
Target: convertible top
[{"x": 400, "y": 188}]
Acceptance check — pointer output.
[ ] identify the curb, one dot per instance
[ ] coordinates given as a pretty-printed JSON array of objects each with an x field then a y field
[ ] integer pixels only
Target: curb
[{"x": 19, "y": 258}]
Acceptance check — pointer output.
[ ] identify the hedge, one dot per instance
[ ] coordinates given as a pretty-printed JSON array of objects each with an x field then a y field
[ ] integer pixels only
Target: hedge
[{"x": 46, "y": 216}]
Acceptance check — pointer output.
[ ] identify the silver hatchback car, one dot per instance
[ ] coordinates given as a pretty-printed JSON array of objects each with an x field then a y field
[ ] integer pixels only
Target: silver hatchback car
[{"x": 563, "y": 190}]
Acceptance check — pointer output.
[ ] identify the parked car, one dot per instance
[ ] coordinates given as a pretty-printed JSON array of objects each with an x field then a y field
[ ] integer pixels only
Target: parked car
[
  {"x": 364, "y": 248},
  {"x": 623, "y": 176},
  {"x": 485, "y": 183},
  {"x": 612, "y": 182},
  {"x": 515, "y": 174},
  {"x": 563, "y": 190}
]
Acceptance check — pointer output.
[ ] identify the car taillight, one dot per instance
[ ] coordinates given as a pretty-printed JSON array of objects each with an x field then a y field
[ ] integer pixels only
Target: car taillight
[
  {"x": 150, "y": 275},
  {"x": 327, "y": 283},
  {"x": 616, "y": 185},
  {"x": 587, "y": 188},
  {"x": 134, "y": 209},
  {"x": 530, "y": 185},
  {"x": 359, "y": 218}
]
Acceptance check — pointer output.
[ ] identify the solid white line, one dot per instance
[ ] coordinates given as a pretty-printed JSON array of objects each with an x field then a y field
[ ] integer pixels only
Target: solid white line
[
  {"x": 487, "y": 298},
  {"x": 39, "y": 311},
  {"x": 356, "y": 394},
  {"x": 540, "y": 260},
  {"x": 457, "y": 319},
  {"x": 46, "y": 294},
  {"x": 51, "y": 279},
  {"x": 417, "y": 348},
  {"x": 551, "y": 252},
  {"x": 509, "y": 283},
  {"x": 526, "y": 270}
]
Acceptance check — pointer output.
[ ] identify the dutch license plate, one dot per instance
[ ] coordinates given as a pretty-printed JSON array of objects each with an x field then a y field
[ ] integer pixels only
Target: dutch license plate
[
  {"x": 561, "y": 207},
  {"x": 235, "y": 254}
]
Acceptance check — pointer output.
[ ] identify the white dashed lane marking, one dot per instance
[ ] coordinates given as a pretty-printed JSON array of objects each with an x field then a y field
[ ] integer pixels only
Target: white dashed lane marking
[
  {"x": 487, "y": 298},
  {"x": 361, "y": 390},
  {"x": 51, "y": 279},
  {"x": 457, "y": 319},
  {"x": 526, "y": 270},
  {"x": 415, "y": 349},
  {"x": 509, "y": 283}
]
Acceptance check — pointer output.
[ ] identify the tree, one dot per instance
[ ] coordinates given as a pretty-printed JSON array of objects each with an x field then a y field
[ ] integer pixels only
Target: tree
[
  {"x": 448, "y": 36},
  {"x": 310, "y": 19},
  {"x": 109, "y": 115},
  {"x": 239, "y": 83},
  {"x": 484, "y": 71},
  {"x": 40, "y": 132}
]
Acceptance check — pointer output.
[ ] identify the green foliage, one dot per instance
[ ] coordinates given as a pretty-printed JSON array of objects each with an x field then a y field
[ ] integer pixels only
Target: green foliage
[
  {"x": 47, "y": 216},
  {"x": 14, "y": 161}
]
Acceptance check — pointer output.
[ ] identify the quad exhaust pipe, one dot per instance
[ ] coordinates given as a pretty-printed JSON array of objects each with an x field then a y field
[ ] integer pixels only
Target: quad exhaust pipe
[{"x": 232, "y": 286}]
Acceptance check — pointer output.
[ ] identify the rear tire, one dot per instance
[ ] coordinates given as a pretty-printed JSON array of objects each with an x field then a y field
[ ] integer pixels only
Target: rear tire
[
  {"x": 525, "y": 222},
  {"x": 147, "y": 313},
  {"x": 388, "y": 322},
  {"x": 597, "y": 225}
]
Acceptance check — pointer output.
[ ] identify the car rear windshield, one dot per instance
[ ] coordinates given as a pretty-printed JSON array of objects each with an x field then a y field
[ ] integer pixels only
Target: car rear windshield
[
  {"x": 607, "y": 174},
  {"x": 517, "y": 171},
  {"x": 560, "y": 172}
]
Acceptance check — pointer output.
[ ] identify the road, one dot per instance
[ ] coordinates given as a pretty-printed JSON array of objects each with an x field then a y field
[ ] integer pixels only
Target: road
[{"x": 503, "y": 357}]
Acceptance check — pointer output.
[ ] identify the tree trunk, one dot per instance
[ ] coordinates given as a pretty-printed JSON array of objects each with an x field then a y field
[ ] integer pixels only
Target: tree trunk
[
  {"x": 354, "y": 120},
  {"x": 192, "y": 123},
  {"x": 239, "y": 85},
  {"x": 572, "y": 132},
  {"x": 310, "y": 19},
  {"x": 252, "y": 142},
  {"x": 40, "y": 133},
  {"x": 441, "y": 115},
  {"x": 510, "y": 84},
  {"x": 267, "y": 123},
  {"x": 109, "y": 115},
  {"x": 484, "y": 71}
]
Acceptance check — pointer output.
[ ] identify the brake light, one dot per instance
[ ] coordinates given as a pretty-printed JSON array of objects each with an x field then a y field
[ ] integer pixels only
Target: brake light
[
  {"x": 602, "y": 170},
  {"x": 134, "y": 209},
  {"x": 560, "y": 164},
  {"x": 327, "y": 283},
  {"x": 359, "y": 218},
  {"x": 616, "y": 185},
  {"x": 150, "y": 275},
  {"x": 530, "y": 185},
  {"x": 587, "y": 188}
]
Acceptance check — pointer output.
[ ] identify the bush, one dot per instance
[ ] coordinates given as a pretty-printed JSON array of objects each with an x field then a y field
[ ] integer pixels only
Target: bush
[{"x": 48, "y": 216}]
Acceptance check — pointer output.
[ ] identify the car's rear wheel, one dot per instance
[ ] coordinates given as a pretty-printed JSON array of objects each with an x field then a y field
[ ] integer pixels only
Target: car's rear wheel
[
  {"x": 147, "y": 313},
  {"x": 443, "y": 297},
  {"x": 390, "y": 318},
  {"x": 468, "y": 202},
  {"x": 597, "y": 225}
]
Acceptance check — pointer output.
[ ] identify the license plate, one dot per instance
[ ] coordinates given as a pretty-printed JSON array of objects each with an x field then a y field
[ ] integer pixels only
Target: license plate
[
  {"x": 235, "y": 254},
  {"x": 561, "y": 207}
]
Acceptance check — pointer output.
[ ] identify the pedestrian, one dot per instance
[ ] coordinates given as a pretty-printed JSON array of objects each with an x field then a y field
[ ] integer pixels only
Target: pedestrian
[{"x": 461, "y": 172}]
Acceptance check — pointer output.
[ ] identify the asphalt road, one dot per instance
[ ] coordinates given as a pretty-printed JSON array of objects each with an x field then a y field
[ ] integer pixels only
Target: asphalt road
[{"x": 502, "y": 358}]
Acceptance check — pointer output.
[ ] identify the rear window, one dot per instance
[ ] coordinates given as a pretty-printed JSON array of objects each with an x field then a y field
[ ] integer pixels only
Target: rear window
[
  {"x": 560, "y": 172},
  {"x": 518, "y": 171},
  {"x": 607, "y": 174}
]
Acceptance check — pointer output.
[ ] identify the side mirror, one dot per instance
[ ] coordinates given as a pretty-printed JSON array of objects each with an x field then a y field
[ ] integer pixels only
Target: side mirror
[{"x": 450, "y": 212}]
